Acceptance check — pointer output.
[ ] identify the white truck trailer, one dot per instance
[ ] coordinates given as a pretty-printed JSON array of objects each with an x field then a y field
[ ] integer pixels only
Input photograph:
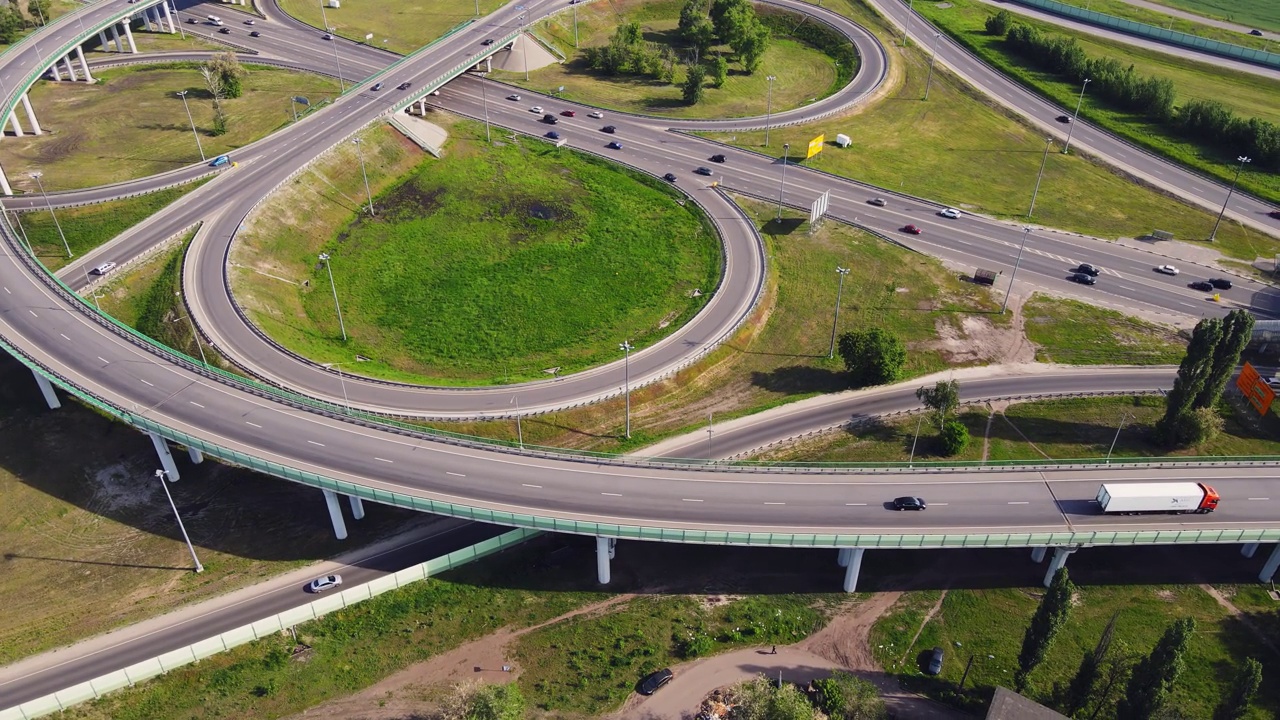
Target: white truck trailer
[{"x": 1172, "y": 497}]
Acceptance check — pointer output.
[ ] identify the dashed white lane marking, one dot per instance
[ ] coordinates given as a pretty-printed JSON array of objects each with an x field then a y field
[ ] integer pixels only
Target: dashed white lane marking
[
  {"x": 1019, "y": 502},
  {"x": 313, "y": 442},
  {"x": 852, "y": 504},
  {"x": 690, "y": 500},
  {"x": 1259, "y": 498},
  {"x": 103, "y": 359},
  {"x": 144, "y": 382},
  {"x": 251, "y": 424},
  {"x": 375, "y": 457},
  {"x": 193, "y": 402},
  {"x": 939, "y": 504},
  {"x": 33, "y": 313},
  {"x": 775, "y": 503},
  {"x": 612, "y": 494},
  {"x": 454, "y": 474},
  {"x": 532, "y": 486},
  {"x": 64, "y": 337},
  {"x": 7, "y": 290}
]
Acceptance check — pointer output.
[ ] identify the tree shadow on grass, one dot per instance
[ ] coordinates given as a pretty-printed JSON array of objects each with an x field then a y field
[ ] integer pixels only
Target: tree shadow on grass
[{"x": 800, "y": 379}]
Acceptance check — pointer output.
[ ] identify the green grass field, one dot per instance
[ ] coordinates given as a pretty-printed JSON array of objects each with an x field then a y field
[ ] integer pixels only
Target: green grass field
[
  {"x": 1248, "y": 95},
  {"x": 401, "y": 26},
  {"x": 988, "y": 624},
  {"x": 133, "y": 125},
  {"x": 1137, "y": 13},
  {"x": 1264, "y": 14},
  {"x": 89, "y": 226},
  {"x": 452, "y": 284},
  {"x": 803, "y": 73},
  {"x": 1076, "y": 333}
]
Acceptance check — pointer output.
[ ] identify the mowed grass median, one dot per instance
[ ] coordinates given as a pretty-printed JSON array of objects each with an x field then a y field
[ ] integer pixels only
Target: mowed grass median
[
  {"x": 401, "y": 26},
  {"x": 457, "y": 282}
]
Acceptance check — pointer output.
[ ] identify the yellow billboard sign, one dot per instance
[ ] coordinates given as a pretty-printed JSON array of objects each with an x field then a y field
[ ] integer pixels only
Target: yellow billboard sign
[{"x": 815, "y": 146}]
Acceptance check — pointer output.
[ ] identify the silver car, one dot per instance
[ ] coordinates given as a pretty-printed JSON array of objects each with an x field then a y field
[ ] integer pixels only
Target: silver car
[{"x": 321, "y": 584}]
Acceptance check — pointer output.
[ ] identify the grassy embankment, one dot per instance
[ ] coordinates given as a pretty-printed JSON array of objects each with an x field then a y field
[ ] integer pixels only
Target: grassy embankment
[
  {"x": 1138, "y": 13},
  {"x": 401, "y": 26},
  {"x": 1264, "y": 14}
]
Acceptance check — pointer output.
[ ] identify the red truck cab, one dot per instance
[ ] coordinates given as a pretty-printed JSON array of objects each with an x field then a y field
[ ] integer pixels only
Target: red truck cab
[{"x": 1210, "y": 501}]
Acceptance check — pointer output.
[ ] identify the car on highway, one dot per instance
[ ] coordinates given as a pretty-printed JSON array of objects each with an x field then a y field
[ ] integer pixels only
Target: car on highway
[
  {"x": 669, "y": 177},
  {"x": 703, "y": 171},
  {"x": 717, "y": 158},
  {"x": 553, "y": 135},
  {"x": 1167, "y": 269},
  {"x": 192, "y": 21},
  {"x": 104, "y": 268},
  {"x": 1064, "y": 118},
  {"x": 609, "y": 129},
  {"x": 934, "y": 666},
  {"x": 912, "y": 229},
  {"x": 550, "y": 119},
  {"x": 1275, "y": 214},
  {"x": 404, "y": 85},
  {"x": 1088, "y": 269},
  {"x": 328, "y": 582},
  {"x": 1201, "y": 285},
  {"x": 596, "y": 114},
  {"x": 487, "y": 41},
  {"x": 1255, "y": 32},
  {"x": 614, "y": 145},
  {"x": 225, "y": 30},
  {"x": 878, "y": 202},
  {"x": 376, "y": 87},
  {"x": 250, "y": 22},
  {"x": 255, "y": 33},
  {"x": 568, "y": 113},
  {"x": 650, "y": 684},
  {"x": 220, "y": 161},
  {"x": 327, "y": 36},
  {"x": 949, "y": 213},
  {"x": 1220, "y": 283},
  {"x": 909, "y": 502},
  {"x": 513, "y": 97},
  {"x": 1084, "y": 278},
  {"x": 535, "y": 109}
]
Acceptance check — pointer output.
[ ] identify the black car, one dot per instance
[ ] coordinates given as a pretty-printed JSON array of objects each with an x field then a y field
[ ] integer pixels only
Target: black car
[
  {"x": 225, "y": 30},
  {"x": 487, "y": 41},
  {"x": 1064, "y": 118},
  {"x": 909, "y": 503},
  {"x": 403, "y": 86},
  {"x": 552, "y": 134},
  {"x": 650, "y": 684},
  {"x": 703, "y": 171},
  {"x": 1084, "y": 278},
  {"x": 935, "y": 662},
  {"x": 255, "y": 33},
  {"x": 1088, "y": 269},
  {"x": 614, "y": 145},
  {"x": 1202, "y": 285},
  {"x": 1256, "y": 32},
  {"x": 1220, "y": 283},
  {"x": 609, "y": 129},
  {"x": 376, "y": 87},
  {"x": 669, "y": 177},
  {"x": 717, "y": 158},
  {"x": 550, "y": 119}
]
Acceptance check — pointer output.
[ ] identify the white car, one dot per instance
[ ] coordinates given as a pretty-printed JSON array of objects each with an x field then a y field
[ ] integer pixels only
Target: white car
[
  {"x": 513, "y": 97},
  {"x": 950, "y": 213},
  {"x": 104, "y": 268},
  {"x": 1167, "y": 269},
  {"x": 328, "y": 582},
  {"x": 596, "y": 114},
  {"x": 535, "y": 109}
]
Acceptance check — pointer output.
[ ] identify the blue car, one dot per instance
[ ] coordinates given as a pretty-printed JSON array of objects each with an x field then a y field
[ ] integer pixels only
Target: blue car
[
  {"x": 220, "y": 161},
  {"x": 615, "y": 145},
  {"x": 553, "y": 135}
]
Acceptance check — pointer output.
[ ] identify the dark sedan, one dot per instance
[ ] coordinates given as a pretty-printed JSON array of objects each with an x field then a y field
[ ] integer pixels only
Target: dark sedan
[
  {"x": 1202, "y": 285},
  {"x": 909, "y": 503},
  {"x": 1085, "y": 278},
  {"x": 650, "y": 684}
]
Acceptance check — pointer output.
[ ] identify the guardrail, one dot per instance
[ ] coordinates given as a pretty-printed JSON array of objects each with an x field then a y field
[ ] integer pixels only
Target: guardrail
[{"x": 195, "y": 652}]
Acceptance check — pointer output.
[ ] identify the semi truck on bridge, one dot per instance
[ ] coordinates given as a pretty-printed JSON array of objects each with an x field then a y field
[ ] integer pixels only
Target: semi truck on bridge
[{"x": 1173, "y": 498}]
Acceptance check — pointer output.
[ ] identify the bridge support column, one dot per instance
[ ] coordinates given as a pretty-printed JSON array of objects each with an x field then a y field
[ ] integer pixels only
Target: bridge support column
[
  {"x": 842, "y": 556},
  {"x": 357, "y": 507},
  {"x": 1037, "y": 554},
  {"x": 4, "y": 183},
  {"x": 1248, "y": 549},
  {"x": 166, "y": 457},
  {"x": 88, "y": 77},
  {"x": 53, "y": 70},
  {"x": 335, "y": 514},
  {"x": 1273, "y": 562},
  {"x": 102, "y": 40},
  {"x": 852, "y": 569},
  {"x": 164, "y": 8},
  {"x": 146, "y": 19},
  {"x": 605, "y": 549},
  {"x": 115, "y": 35},
  {"x": 13, "y": 120},
  {"x": 1057, "y": 563},
  {"x": 128, "y": 35},
  {"x": 46, "y": 389},
  {"x": 196, "y": 456},
  {"x": 71, "y": 71}
]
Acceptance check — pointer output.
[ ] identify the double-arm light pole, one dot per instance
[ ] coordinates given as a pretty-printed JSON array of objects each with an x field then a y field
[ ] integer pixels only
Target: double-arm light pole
[
  {"x": 1217, "y": 222},
  {"x": 831, "y": 352},
  {"x": 626, "y": 348},
  {"x": 1071, "y": 130},
  {"x": 183, "y": 94},
  {"x": 367, "y": 191},
  {"x": 932, "y": 57},
  {"x": 1048, "y": 142},
  {"x": 1016, "y": 264},
  {"x": 324, "y": 258},
  {"x": 37, "y": 175}
]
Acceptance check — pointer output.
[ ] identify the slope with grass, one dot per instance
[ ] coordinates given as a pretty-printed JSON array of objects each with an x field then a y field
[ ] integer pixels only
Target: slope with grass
[
  {"x": 1069, "y": 331},
  {"x": 401, "y": 26},
  {"x": 1142, "y": 14},
  {"x": 1263, "y": 13}
]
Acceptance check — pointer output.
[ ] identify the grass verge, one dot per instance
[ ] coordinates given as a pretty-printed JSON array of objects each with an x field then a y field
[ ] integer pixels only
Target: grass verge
[
  {"x": 89, "y": 226},
  {"x": 1069, "y": 331},
  {"x": 1262, "y": 13},
  {"x": 401, "y": 26},
  {"x": 133, "y": 125},
  {"x": 1138, "y": 13}
]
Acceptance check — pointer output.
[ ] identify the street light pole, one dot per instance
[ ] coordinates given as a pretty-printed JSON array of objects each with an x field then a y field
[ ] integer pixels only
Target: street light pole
[
  {"x": 519, "y": 430},
  {"x": 342, "y": 85},
  {"x": 324, "y": 19},
  {"x": 768, "y": 108},
  {"x": 367, "y": 191},
  {"x": 194, "y": 334},
  {"x": 181, "y": 32},
  {"x": 626, "y": 346},
  {"x": 1047, "y": 143},
  {"x": 485, "y": 98},
  {"x": 1123, "y": 419},
  {"x": 831, "y": 352},
  {"x": 162, "y": 476},
  {"x": 786, "y": 148},
  {"x": 1071, "y": 130},
  {"x": 932, "y": 58},
  {"x": 183, "y": 94},
  {"x": 341, "y": 381},
  {"x": 911, "y": 12},
  {"x": 575, "y": 24},
  {"x": 1217, "y": 222},
  {"x": 1016, "y": 264},
  {"x": 710, "y": 432},
  {"x": 912, "y": 460},
  {"x": 36, "y": 176},
  {"x": 324, "y": 258}
]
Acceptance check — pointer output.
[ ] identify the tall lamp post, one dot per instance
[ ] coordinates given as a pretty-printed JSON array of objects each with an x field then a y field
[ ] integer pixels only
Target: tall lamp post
[
  {"x": 768, "y": 108},
  {"x": 342, "y": 84},
  {"x": 194, "y": 333},
  {"x": 519, "y": 429},
  {"x": 342, "y": 381},
  {"x": 1216, "y": 223},
  {"x": 1123, "y": 419},
  {"x": 626, "y": 347},
  {"x": 36, "y": 176},
  {"x": 786, "y": 148},
  {"x": 932, "y": 57},
  {"x": 324, "y": 258},
  {"x": 367, "y": 191},
  {"x": 911, "y": 13},
  {"x": 163, "y": 476},
  {"x": 1016, "y": 264},
  {"x": 1071, "y": 130},
  {"x": 831, "y": 352},
  {"x": 183, "y": 94},
  {"x": 484, "y": 96},
  {"x": 1047, "y": 143}
]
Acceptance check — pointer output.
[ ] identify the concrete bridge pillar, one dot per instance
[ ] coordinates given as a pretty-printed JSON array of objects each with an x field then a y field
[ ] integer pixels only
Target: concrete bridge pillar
[
  {"x": 71, "y": 71},
  {"x": 115, "y": 35},
  {"x": 196, "y": 456},
  {"x": 128, "y": 35},
  {"x": 46, "y": 389},
  {"x": 842, "y": 557},
  {"x": 852, "y": 569},
  {"x": 53, "y": 70},
  {"x": 1059, "y": 561},
  {"x": 173, "y": 26},
  {"x": 31, "y": 115},
  {"x": 605, "y": 550},
  {"x": 1037, "y": 554},
  {"x": 166, "y": 457},
  {"x": 4, "y": 186},
  {"x": 13, "y": 120},
  {"x": 335, "y": 514},
  {"x": 102, "y": 40},
  {"x": 1273, "y": 562},
  {"x": 357, "y": 507},
  {"x": 83, "y": 66},
  {"x": 1249, "y": 549},
  {"x": 148, "y": 19}
]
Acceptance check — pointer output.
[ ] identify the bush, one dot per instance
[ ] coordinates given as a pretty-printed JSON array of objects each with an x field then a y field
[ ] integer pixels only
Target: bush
[
  {"x": 999, "y": 23},
  {"x": 955, "y": 438},
  {"x": 872, "y": 357}
]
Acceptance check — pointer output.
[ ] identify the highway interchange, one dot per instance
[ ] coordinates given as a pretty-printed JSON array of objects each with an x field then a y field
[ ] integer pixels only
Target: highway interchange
[{"x": 139, "y": 381}]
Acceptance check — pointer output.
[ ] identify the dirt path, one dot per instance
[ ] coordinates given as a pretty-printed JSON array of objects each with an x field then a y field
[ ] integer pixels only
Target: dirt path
[{"x": 1239, "y": 615}]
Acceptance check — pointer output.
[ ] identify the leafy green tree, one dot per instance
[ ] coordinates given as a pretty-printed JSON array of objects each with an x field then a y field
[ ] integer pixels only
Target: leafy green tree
[
  {"x": 872, "y": 357},
  {"x": 999, "y": 23},
  {"x": 230, "y": 72},
  {"x": 761, "y": 699},
  {"x": 11, "y": 24},
  {"x": 691, "y": 13},
  {"x": 496, "y": 702},
  {"x": 1086, "y": 677},
  {"x": 748, "y": 37},
  {"x": 720, "y": 11},
  {"x": 1152, "y": 680},
  {"x": 39, "y": 9},
  {"x": 1237, "y": 330},
  {"x": 844, "y": 696},
  {"x": 954, "y": 437},
  {"x": 1243, "y": 689},
  {"x": 692, "y": 88},
  {"x": 1192, "y": 373},
  {"x": 719, "y": 71},
  {"x": 942, "y": 399},
  {"x": 702, "y": 36},
  {"x": 1049, "y": 617}
]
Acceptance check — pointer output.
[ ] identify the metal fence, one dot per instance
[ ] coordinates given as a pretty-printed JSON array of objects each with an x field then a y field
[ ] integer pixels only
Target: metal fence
[{"x": 153, "y": 667}]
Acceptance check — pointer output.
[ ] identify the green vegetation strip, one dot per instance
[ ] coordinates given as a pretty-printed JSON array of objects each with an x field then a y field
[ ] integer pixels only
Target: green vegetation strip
[
  {"x": 1138, "y": 13},
  {"x": 401, "y": 26},
  {"x": 1264, "y": 14},
  {"x": 1069, "y": 331}
]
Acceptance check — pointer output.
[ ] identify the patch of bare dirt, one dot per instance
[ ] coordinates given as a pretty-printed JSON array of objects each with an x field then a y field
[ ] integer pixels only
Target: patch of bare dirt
[
  {"x": 846, "y": 639},
  {"x": 976, "y": 340},
  {"x": 711, "y": 602},
  {"x": 1166, "y": 595}
]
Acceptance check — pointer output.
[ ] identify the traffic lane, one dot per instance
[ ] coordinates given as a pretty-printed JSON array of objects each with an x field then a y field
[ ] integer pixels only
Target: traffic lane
[
  {"x": 176, "y": 635},
  {"x": 1245, "y": 499}
]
